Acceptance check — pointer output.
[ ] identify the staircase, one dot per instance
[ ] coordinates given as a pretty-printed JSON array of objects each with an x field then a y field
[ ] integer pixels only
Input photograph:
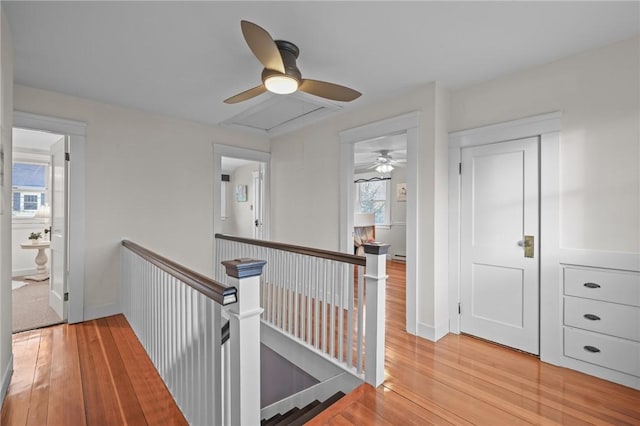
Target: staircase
[{"x": 299, "y": 416}]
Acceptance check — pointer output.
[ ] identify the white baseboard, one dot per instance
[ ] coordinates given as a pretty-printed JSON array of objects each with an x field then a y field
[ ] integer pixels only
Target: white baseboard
[
  {"x": 432, "y": 333},
  {"x": 23, "y": 272},
  {"x": 94, "y": 312},
  {"x": 6, "y": 378}
]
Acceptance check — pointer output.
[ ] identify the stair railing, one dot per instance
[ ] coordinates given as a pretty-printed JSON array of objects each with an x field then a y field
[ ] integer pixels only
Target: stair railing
[
  {"x": 333, "y": 303},
  {"x": 176, "y": 314}
]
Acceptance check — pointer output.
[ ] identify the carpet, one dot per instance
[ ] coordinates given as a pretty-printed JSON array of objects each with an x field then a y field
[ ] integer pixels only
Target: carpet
[
  {"x": 31, "y": 307},
  {"x": 17, "y": 284}
]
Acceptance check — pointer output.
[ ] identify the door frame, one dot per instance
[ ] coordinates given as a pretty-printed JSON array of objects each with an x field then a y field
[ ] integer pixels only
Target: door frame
[
  {"x": 547, "y": 127},
  {"x": 220, "y": 151},
  {"x": 75, "y": 131},
  {"x": 406, "y": 123}
]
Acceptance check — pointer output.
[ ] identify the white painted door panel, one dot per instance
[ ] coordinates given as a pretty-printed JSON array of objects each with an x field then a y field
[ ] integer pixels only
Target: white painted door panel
[
  {"x": 58, "y": 276},
  {"x": 499, "y": 292}
]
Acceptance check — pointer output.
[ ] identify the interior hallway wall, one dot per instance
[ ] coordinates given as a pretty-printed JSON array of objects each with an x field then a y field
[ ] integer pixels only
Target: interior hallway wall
[
  {"x": 598, "y": 93},
  {"x": 148, "y": 178}
]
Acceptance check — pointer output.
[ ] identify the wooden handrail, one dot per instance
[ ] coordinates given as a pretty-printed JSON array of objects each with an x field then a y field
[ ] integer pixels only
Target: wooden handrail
[
  {"x": 309, "y": 251},
  {"x": 212, "y": 289}
]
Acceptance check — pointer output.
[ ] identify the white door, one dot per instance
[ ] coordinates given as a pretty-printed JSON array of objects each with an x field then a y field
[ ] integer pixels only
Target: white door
[
  {"x": 58, "y": 276},
  {"x": 499, "y": 285},
  {"x": 258, "y": 191}
]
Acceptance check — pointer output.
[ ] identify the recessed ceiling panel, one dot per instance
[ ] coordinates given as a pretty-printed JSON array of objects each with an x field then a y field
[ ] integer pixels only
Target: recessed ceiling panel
[{"x": 282, "y": 113}]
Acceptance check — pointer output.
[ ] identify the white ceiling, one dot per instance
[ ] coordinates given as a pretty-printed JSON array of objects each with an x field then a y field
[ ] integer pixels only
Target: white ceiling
[{"x": 183, "y": 58}]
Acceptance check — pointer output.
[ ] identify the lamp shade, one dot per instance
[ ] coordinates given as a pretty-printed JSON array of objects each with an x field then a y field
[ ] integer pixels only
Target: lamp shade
[
  {"x": 364, "y": 219},
  {"x": 43, "y": 212}
]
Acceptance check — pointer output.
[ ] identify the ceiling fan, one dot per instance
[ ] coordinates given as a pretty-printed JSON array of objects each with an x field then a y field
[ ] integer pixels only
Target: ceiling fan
[
  {"x": 280, "y": 74},
  {"x": 385, "y": 163}
]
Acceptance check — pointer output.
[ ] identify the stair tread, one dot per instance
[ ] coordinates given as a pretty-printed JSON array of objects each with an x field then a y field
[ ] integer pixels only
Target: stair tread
[
  {"x": 287, "y": 420},
  {"x": 302, "y": 419},
  {"x": 271, "y": 421}
]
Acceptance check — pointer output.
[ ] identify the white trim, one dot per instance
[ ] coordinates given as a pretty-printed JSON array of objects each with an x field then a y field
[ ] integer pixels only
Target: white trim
[
  {"x": 601, "y": 259},
  {"x": 516, "y": 129},
  {"x": 76, "y": 232},
  {"x": 403, "y": 123},
  {"x": 6, "y": 379},
  {"x": 547, "y": 126},
  {"x": 27, "y": 120},
  {"x": 220, "y": 151},
  {"x": 432, "y": 333},
  {"x": 94, "y": 312}
]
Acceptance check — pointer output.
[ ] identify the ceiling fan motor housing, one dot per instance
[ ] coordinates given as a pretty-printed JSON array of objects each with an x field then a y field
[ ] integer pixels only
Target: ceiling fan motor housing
[{"x": 289, "y": 53}]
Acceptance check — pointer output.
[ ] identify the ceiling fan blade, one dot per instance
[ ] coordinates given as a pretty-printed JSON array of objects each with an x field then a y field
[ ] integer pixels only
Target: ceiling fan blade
[
  {"x": 331, "y": 91},
  {"x": 262, "y": 46},
  {"x": 246, "y": 95}
]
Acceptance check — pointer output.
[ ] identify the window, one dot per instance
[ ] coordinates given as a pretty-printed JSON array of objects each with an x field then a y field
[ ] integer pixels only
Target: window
[
  {"x": 372, "y": 197},
  {"x": 28, "y": 188}
]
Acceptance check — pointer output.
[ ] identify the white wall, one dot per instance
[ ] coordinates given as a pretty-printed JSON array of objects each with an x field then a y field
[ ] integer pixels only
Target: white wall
[
  {"x": 148, "y": 178},
  {"x": 598, "y": 93},
  {"x": 305, "y": 187},
  {"x": 6, "y": 123}
]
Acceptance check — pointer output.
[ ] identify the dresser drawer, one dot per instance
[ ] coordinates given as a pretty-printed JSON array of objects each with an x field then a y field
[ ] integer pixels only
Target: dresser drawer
[
  {"x": 602, "y": 317},
  {"x": 610, "y": 286},
  {"x": 610, "y": 352}
]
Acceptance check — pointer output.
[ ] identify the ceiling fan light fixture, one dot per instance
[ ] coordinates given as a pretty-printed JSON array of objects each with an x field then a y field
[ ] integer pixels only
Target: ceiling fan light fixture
[
  {"x": 384, "y": 168},
  {"x": 281, "y": 84}
]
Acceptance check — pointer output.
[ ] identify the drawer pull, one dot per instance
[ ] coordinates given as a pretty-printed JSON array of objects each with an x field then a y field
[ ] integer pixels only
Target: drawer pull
[
  {"x": 592, "y": 285},
  {"x": 592, "y": 349},
  {"x": 591, "y": 317}
]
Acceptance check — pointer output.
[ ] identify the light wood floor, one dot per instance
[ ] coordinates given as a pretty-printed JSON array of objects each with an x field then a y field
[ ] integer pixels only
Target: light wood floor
[
  {"x": 463, "y": 380},
  {"x": 97, "y": 373}
]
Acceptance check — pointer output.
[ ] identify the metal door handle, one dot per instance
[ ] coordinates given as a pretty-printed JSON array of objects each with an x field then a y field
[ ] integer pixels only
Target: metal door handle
[{"x": 528, "y": 245}]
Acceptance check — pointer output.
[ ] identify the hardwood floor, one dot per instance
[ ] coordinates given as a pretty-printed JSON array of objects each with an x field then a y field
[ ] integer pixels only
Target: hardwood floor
[
  {"x": 98, "y": 373},
  {"x": 93, "y": 373},
  {"x": 462, "y": 380}
]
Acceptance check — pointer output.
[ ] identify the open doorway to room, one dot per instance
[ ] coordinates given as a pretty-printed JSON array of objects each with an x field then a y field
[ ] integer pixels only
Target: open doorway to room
[
  {"x": 39, "y": 231},
  {"x": 380, "y": 193},
  {"x": 404, "y": 129},
  {"x": 242, "y": 192}
]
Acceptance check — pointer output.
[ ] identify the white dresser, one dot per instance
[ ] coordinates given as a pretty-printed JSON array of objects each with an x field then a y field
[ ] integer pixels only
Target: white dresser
[{"x": 601, "y": 321}]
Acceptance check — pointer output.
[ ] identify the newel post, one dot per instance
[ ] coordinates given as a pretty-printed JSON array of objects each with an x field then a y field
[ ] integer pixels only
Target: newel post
[
  {"x": 376, "y": 280},
  {"x": 244, "y": 341}
]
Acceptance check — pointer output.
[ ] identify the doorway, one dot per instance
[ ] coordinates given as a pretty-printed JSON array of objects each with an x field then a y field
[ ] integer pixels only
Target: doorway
[
  {"x": 406, "y": 124},
  {"x": 69, "y": 264},
  {"x": 499, "y": 280},
  {"x": 241, "y": 192},
  {"x": 39, "y": 238},
  {"x": 543, "y": 131}
]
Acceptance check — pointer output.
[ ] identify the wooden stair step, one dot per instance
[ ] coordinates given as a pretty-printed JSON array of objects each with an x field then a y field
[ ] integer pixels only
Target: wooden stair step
[
  {"x": 301, "y": 412},
  {"x": 301, "y": 420}
]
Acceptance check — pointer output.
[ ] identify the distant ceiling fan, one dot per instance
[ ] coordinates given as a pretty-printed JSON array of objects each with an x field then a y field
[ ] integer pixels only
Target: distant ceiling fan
[
  {"x": 280, "y": 74},
  {"x": 385, "y": 163}
]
